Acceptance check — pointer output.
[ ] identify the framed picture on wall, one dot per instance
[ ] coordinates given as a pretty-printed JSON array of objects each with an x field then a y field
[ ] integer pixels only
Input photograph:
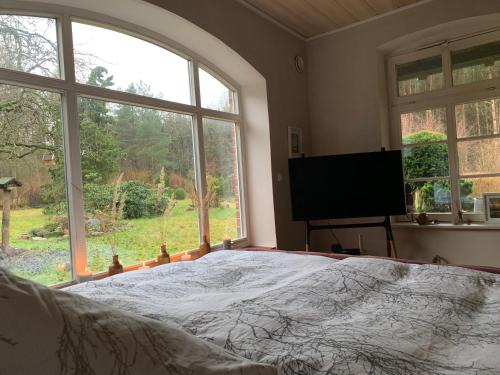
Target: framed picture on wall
[
  {"x": 492, "y": 207},
  {"x": 294, "y": 142}
]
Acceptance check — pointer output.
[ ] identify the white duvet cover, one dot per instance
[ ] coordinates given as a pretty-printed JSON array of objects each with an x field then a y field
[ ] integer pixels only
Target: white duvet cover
[
  {"x": 50, "y": 332},
  {"x": 316, "y": 315}
]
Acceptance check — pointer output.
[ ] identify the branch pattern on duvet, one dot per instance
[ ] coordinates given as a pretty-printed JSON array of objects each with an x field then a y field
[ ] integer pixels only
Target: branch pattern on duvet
[
  {"x": 46, "y": 331},
  {"x": 316, "y": 315}
]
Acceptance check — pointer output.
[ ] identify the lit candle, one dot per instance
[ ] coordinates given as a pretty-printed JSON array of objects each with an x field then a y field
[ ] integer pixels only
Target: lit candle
[
  {"x": 226, "y": 243},
  {"x": 186, "y": 256},
  {"x": 143, "y": 267},
  {"x": 86, "y": 275}
]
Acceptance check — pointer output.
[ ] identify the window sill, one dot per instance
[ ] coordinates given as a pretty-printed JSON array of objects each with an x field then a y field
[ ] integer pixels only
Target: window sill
[{"x": 447, "y": 226}]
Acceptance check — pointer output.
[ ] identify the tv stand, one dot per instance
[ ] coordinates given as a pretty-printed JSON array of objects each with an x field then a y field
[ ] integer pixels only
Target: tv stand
[{"x": 391, "y": 247}]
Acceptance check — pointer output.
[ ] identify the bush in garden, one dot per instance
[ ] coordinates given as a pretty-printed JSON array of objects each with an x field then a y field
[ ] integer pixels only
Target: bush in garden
[
  {"x": 215, "y": 186},
  {"x": 140, "y": 200},
  {"x": 60, "y": 208},
  {"x": 176, "y": 180},
  {"x": 430, "y": 160},
  {"x": 179, "y": 194},
  {"x": 98, "y": 197}
]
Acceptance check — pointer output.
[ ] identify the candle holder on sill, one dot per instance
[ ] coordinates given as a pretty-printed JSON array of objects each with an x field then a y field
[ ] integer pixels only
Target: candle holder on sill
[
  {"x": 185, "y": 256},
  {"x": 163, "y": 258},
  {"x": 115, "y": 267},
  {"x": 85, "y": 276},
  {"x": 226, "y": 243}
]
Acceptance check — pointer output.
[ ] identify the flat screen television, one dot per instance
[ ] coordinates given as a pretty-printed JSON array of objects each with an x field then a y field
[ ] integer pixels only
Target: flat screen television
[{"x": 347, "y": 186}]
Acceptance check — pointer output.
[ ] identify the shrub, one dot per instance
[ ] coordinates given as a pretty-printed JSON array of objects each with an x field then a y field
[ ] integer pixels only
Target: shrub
[
  {"x": 179, "y": 194},
  {"x": 98, "y": 197},
  {"x": 60, "y": 208},
  {"x": 215, "y": 185},
  {"x": 139, "y": 201},
  {"x": 176, "y": 180},
  {"x": 430, "y": 160}
]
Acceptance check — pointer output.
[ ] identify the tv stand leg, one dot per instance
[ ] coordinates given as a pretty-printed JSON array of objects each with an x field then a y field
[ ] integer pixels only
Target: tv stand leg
[
  {"x": 308, "y": 236},
  {"x": 391, "y": 249},
  {"x": 391, "y": 245}
]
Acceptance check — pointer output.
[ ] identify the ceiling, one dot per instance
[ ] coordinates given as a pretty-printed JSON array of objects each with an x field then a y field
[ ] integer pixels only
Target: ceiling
[{"x": 310, "y": 18}]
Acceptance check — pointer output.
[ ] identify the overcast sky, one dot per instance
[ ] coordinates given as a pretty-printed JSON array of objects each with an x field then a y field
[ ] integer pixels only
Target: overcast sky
[{"x": 130, "y": 59}]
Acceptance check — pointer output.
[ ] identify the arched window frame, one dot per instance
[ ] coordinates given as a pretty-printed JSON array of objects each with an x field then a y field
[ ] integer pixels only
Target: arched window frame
[{"x": 70, "y": 90}]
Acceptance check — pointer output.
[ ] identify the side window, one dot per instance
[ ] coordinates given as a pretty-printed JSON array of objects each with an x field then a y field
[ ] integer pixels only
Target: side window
[
  {"x": 420, "y": 76},
  {"x": 450, "y": 132},
  {"x": 425, "y": 160}
]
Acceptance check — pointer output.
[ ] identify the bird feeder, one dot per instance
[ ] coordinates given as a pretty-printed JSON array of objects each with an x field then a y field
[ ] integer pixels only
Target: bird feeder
[
  {"x": 6, "y": 185},
  {"x": 48, "y": 159}
]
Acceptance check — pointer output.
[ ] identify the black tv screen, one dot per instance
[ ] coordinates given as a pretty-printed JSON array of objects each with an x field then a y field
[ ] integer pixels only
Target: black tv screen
[{"x": 347, "y": 186}]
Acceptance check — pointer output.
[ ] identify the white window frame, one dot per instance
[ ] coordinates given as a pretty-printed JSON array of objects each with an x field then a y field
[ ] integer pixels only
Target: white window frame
[
  {"x": 447, "y": 97},
  {"x": 70, "y": 90}
]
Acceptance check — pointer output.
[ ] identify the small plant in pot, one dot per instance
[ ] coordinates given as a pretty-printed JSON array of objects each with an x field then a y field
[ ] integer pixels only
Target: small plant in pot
[
  {"x": 163, "y": 257},
  {"x": 115, "y": 266}
]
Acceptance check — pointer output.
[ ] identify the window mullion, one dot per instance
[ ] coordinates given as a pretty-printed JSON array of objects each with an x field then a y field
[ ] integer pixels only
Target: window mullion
[
  {"x": 72, "y": 155},
  {"x": 74, "y": 183},
  {"x": 66, "y": 52},
  {"x": 453, "y": 159},
  {"x": 242, "y": 182},
  {"x": 201, "y": 180}
]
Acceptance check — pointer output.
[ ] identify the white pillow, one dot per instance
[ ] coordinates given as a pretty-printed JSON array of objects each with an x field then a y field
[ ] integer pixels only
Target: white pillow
[{"x": 47, "y": 331}]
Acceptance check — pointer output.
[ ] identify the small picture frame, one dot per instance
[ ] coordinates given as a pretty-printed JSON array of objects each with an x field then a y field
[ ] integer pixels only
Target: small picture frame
[
  {"x": 294, "y": 142},
  {"x": 492, "y": 207}
]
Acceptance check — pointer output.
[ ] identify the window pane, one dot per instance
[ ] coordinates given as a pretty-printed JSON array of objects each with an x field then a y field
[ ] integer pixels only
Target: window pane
[
  {"x": 420, "y": 76},
  {"x": 214, "y": 94},
  {"x": 476, "y": 63},
  {"x": 428, "y": 196},
  {"x": 117, "y": 61},
  {"x": 221, "y": 152},
  {"x": 424, "y": 126},
  {"x": 478, "y": 118},
  {"x": 472, "y": 192},
  {"x": 135, "y": 161},
  {"x": 35, "y": 243},
  {"x": 481, "y": 156},
  {"x": 29, "y": 44},
  {"x": 426, "y": 161}
]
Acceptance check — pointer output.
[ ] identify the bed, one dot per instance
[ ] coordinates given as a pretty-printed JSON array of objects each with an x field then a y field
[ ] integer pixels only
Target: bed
[
  {"x": 308, "y": 314},
  {"x": 293, "y": 313}
]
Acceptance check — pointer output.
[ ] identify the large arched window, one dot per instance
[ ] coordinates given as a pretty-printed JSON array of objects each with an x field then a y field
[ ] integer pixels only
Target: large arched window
[{"x": 120, "y": 142}]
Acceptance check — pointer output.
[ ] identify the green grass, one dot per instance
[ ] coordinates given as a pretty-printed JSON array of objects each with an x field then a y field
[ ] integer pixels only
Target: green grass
[{"x": 140, "y": 240}]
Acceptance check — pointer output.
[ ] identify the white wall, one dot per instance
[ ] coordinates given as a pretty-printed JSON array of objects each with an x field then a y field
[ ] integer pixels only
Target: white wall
[{"x": 348, "y": 114}]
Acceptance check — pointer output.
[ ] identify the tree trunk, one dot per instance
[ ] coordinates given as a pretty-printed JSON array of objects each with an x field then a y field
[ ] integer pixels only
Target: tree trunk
[
  {"x": 494, "y": 116},
  {"x": 6, "y": 221},
  {"x": 493, "y": 108}
]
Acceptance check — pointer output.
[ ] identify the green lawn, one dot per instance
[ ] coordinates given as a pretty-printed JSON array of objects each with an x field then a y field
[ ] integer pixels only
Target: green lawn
[{"x": 140, "y": 240}]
